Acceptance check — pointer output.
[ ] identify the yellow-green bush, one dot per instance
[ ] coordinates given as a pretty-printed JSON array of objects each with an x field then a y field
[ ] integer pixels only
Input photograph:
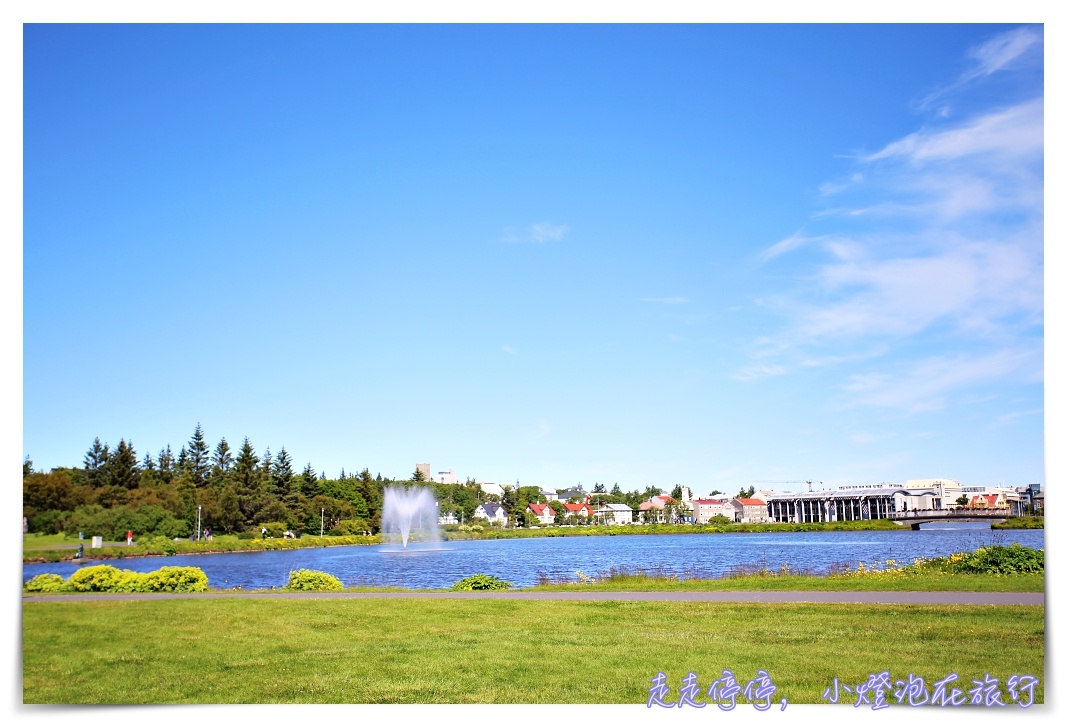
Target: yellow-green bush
[
  {"x": 308, "y": 580},
  {"x": 45, "y": 583},
  {"x": 104, "y": 578}
]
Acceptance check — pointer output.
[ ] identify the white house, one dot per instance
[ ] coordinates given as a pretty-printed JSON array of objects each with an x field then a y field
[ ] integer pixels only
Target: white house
[
  {"x": 615, "y": 514},
  {"x": 490, "y": 488},
  {"x": 492, "y": 512}
]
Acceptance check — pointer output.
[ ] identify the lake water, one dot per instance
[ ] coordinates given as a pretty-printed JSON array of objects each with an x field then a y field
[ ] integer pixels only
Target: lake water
[{"x": 522, "y": 560}]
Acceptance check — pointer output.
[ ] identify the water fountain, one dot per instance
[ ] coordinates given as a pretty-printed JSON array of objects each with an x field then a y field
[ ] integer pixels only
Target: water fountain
[{"x": 406, "y": 508}]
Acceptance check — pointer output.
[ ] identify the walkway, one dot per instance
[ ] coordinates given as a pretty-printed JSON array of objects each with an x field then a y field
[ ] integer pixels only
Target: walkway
[{"x": 764, "y": 597}]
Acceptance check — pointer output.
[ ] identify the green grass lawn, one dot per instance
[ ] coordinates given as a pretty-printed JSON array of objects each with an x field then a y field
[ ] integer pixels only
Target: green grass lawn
[
  {"x": 488, "y": 651},
  {"x": 790, "y": 582}
]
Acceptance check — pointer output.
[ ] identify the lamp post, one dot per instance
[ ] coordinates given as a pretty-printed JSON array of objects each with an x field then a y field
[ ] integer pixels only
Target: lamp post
[
  {"x": 322, "y": 522},
  {"x": 198, "y": 522}
]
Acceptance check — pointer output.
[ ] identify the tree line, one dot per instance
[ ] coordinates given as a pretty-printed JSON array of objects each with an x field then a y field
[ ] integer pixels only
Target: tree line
[{"x": 238, "y": 491}]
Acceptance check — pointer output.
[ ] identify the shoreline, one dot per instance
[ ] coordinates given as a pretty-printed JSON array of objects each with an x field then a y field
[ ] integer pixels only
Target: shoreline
[{"x": 186, "y": 548}]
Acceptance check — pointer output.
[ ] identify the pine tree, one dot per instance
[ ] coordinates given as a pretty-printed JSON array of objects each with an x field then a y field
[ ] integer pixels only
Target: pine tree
[
  {"x": 166, "y": 465},
  {"x": 198, "y": 457},
  {"x": 96, "y": 464},
  {"x": 246, "y": 480},
  {"x": 308, "y": 481},
  {"x": 123, "y": 466},
  {"x": 282, "y": 477},
  {"x": 148, "y": 463},
  {"x": 222, "y": 459}
]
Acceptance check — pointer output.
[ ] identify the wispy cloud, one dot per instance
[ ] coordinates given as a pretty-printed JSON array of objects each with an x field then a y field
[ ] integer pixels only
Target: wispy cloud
[
  {"x": 999, "y": 53},
  {"x": 1011, "y": 418},
  {"x": 540, "y": 232},
  {"x": 936, "y": 246},
  {"x": 507, "y": 349},
  {"x": 926, "y": 385}
]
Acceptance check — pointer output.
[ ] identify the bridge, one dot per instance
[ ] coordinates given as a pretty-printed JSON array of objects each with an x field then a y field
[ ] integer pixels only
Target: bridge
[{"x": 963, "y": 515}]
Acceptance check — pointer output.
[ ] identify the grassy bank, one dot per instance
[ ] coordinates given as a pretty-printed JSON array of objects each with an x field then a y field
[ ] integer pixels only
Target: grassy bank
[
  {"x": 1021, "y": 522},
  {"x": 433, "y": 651}
]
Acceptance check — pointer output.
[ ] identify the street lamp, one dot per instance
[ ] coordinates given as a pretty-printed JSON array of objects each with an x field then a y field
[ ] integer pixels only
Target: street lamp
[
  {"x": 322, "y": 522},
  {"x": 198, "y": 522}
]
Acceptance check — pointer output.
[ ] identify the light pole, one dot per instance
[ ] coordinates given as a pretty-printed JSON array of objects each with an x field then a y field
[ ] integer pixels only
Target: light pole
[
  {"x": 322, "y": 522},
  {"x": 198, "y": 522}
]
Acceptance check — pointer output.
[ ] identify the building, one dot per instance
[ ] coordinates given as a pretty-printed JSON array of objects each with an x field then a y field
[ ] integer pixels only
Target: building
[
  {"x": 577, "y": 494},
  {"x": 658, "y": 509},
  {"x": 446, "y": 476},
  {"x": 447, "y": 519},
  {"x": 616, "y": 514},
  {"x": 492, "y": 512},
  {"x": 490, "y": 488},
  {"x": 424, "y": 470},
  {"x": 750, "y": 510},
  {"x": 850, "y": 503},
  {"x": 705, "y": 509},
  {"x": 578, "y": 510},
  {"x": 545, "y": 514}
]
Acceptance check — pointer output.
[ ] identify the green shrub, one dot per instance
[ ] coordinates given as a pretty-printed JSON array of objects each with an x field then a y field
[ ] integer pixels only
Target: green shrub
[
  {"x": 101, "y": 578},
  {"x": 109, "y": 579},
  {"x": 481, "y": 582},
  {"x": 1012, "y": 559},
  {"x": 308, "y": 580},
  {"x": 246, "y": 536},
  {"x": 174, "y": 579},
  {"x": 275, "y": 529},
  {"x": 45, "y": 583}
]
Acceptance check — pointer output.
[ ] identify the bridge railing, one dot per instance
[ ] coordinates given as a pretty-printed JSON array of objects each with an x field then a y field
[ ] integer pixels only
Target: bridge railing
[{"x": 950, "y": 513}]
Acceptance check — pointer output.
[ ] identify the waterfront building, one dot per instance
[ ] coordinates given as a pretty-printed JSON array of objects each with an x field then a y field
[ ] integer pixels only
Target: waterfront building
[
  {"x": 750, "y": 510},
  {"x": 446, "y": 476},
  {"x": 850, "y": 503},
  {"x": 492, "y": 512},
  {"x": 615, "y": 514},
  {"x": 545, "y": 514},
  {"x": 704, "y": 509}
]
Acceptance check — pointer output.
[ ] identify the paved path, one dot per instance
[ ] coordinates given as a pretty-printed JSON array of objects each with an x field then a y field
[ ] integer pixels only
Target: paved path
[{"x": 820, "y": 597}]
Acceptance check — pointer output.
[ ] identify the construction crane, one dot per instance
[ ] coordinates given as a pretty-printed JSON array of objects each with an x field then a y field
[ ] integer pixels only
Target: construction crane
[{"x": 809, "y": 482}]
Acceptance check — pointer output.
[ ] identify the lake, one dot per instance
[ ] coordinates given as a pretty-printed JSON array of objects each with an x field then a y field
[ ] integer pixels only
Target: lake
[{"x": 523, "y": 560}]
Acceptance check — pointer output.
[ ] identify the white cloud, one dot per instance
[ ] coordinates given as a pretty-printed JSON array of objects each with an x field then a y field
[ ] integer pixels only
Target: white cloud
[
  {"x": 1000, "y": 53},
  {"x": 540, "y": 232},
  {"x": 926, "y": 385},
  {"x": 507, "y": 349},
  {"x": 936, "y": 247},
  {"x": 1015, "y": 131}
]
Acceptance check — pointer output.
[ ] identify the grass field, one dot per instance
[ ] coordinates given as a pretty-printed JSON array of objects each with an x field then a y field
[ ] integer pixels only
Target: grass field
[
  {"x": 874, "y": 581},
  {"x": 444, "y": 651}
]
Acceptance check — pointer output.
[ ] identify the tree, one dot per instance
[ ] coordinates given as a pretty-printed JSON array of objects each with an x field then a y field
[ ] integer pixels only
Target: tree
[
  {"x": 598, "y": 488},
  {"x": 676, "y": 492},
  {"x": 418, "y": 476},
  {"x": 123, "y": 466},
  {"x": 962, "y": 501},
  {"x": 198, "y": 457},
  {"x": 746, "y": 492},
  {"x": 246, "y": 480},
  {"x": 282, "y": 477},
  {"x": 27, "y": 467},
  {"x": 96, "y": 464},
  {"x": 222, "y": 460},
  {"x": 166, "y": 465}
]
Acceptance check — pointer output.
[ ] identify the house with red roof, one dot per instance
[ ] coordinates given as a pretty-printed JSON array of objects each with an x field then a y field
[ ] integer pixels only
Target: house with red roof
[
  {"x": 988, "y": 500},
  {"x": 543, "y": 511},
  {"x": 750, "y": 510},
  {"x": 652, "y": 510},
  {"x": 577, "y": 511},
  {"x": 704, "y": 509}
]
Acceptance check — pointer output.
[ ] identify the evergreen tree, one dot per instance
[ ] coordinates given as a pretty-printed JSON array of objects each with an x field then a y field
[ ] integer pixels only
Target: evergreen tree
[
  {"x": 222, "y": 460},
  {"x": 418, "y": 476},
  {"x": 96, "y": 464},
  {"x": 308, "y": 481},
  {"x": 182, "y": 466},
  {"x": 598, "y": 488},
  {"x": 123, "y": 466},
  {"x": 148, "y": 464},
  {"x": 27, "y": 467},
  {"x": 282, "y": 479},
  {"x": 246, "y": 480},
  {"x": 166, "y": 465},
  {"x": 198, "y": 457}
]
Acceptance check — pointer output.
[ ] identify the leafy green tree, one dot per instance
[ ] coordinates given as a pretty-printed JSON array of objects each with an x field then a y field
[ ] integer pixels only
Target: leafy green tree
[
  {"x": 962, "y": 501},
  {"x": 746, "y": 492},
  {"x": 676, "y": 492}
]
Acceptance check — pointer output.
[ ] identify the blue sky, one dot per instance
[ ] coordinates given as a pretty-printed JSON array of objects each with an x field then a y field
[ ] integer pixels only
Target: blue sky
[{"x": 707, "y": 255}]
